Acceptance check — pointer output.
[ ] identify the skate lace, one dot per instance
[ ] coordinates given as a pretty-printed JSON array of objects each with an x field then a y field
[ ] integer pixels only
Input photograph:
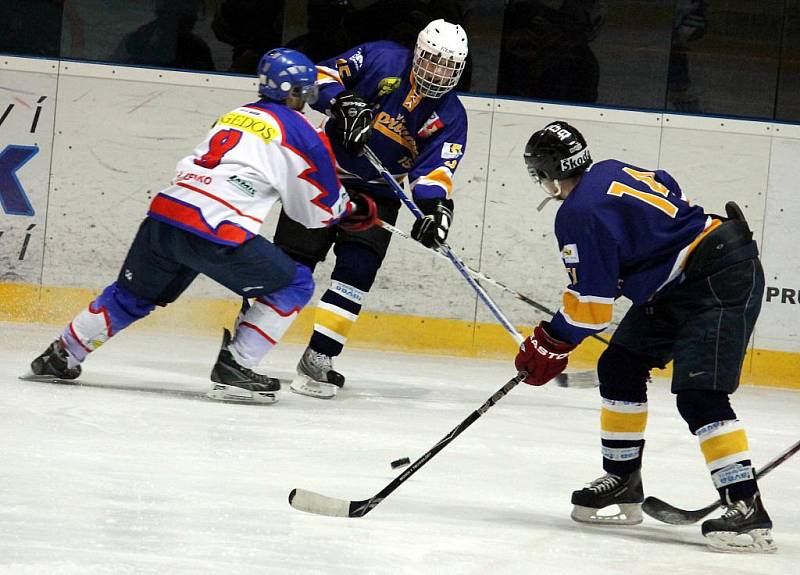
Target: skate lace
[
  {"x": 735, "y": 509},
  {"x": 318, "y": 363},
  {"x": 604, "y": 484}
]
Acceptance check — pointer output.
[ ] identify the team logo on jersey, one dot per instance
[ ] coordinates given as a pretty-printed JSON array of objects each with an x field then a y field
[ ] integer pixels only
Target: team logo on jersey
[
  {"x": 431, "y": 126},
  {"x": 451, "y": 151},
  {"x": 357, "y": 59},
  {"x": 267, "y": 132},
  {"x": 569, "y": 253},
  {"x": 396, "y": 130},
  {"x": 388, "y": 85},
  {"x": 243, "y": 185}
]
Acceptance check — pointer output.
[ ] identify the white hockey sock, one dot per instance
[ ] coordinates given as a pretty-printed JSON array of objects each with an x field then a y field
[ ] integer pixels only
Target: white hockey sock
[
  {"x": 84, "y": 334},
  {"x": 258, "y": 331}
]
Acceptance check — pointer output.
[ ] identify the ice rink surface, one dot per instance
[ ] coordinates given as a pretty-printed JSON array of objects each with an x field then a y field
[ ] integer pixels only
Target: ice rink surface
[{"x": 135, "y": 472}]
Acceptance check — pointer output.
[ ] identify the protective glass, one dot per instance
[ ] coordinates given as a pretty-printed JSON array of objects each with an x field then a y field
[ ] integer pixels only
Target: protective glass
[{"x": 308, "y": 93}]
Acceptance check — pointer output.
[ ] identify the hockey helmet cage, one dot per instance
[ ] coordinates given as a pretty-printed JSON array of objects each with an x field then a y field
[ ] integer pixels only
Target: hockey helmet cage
[
  {"x": 556, "y": 152},
  {"x": 283, "y": 72},
  {"x": 439, "y": 58}
]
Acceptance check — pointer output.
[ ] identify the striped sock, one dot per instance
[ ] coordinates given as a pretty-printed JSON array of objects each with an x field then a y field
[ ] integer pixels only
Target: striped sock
[
  {"x": 336, "y": 313},
  {"x": 622, "y": 425},
  {"x": 727, "y": 454}
]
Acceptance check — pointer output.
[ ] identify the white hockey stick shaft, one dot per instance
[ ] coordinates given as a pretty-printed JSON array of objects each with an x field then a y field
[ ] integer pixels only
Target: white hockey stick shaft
[
  {"x": 444, "y": 248},
  {"x": 478, "y": 275}
]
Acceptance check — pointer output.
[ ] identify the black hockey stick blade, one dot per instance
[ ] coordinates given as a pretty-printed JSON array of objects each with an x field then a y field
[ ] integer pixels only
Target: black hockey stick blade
[
  {"x": 319, "y": 504},
  {"x": 666, "y": 513}
]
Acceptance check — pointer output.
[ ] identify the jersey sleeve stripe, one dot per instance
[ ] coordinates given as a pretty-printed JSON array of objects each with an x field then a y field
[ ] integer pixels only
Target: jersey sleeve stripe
[
  {"x": 587, "y": 312},
  {"x": 327, "y": 75},
  {"x": 438, "y": 177}
]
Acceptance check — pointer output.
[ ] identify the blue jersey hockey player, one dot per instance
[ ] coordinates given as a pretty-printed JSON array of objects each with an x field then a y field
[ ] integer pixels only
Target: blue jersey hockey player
[
  {"x": 696, "y": 285},
  {"x": 402, "y": 101},
  {"x": 207, "y": 221}
]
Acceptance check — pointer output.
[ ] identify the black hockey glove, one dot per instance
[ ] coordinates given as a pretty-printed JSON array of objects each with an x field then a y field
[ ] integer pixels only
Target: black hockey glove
[
  {"x": 432, "y": 229},
  {"x": 350, "y": 122}
]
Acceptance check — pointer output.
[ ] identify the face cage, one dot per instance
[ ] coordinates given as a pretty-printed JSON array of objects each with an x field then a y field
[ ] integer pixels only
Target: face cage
[{"x": 435, "y": 75}]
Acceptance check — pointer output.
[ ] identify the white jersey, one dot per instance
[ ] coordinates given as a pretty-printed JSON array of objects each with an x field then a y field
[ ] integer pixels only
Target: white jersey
[{"x": 254, "y": 156}]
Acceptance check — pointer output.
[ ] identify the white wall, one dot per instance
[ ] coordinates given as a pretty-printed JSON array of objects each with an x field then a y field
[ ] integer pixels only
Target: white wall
[{"x": 117, "y": 132}]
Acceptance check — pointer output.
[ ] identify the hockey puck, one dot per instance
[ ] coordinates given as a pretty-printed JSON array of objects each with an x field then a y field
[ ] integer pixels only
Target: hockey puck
[{"x": 400, "y": 462}]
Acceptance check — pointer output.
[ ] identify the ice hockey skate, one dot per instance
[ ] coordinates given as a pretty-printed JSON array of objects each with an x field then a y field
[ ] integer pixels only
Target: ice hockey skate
[
  {"x": 744, "y": 527},
  {"x": 316, "y": 376},
  {"x": 52, "y": 366},
  {"x": 234, "y": 382},
  {"x": 624, "y": 493}
]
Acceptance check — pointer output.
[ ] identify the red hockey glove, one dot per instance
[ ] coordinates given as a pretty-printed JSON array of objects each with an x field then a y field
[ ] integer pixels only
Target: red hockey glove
[
  {"x": 542, "y": 356},
  {"x": 363, "y": 214}
]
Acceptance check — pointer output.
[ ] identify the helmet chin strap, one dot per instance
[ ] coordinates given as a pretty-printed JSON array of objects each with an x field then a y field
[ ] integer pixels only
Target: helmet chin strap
[
  {"x": 541, "y": 206},
  {"x": 550, "y": 195}
]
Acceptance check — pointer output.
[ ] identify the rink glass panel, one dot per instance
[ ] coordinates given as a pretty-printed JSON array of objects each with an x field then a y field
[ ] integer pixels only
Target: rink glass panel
[{"x": 737, "y": 58}]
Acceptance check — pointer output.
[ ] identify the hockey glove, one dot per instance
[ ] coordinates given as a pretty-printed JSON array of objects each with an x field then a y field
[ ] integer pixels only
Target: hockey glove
[
  {"x": 431, "y": 230},
  {"x": 363, "y": 214},
  {"x": 350, "y": 122},
  {"x": 542, "y": 356}
]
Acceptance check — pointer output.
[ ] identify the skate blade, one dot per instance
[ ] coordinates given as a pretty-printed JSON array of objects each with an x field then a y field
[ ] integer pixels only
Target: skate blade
[
  {"x": 30, "y": 376},
  {"x": 754, "y": 541},
  {"x": 628, "y": 514},
  {"x": 233, "y": 394},
  {"x": 305, "y": 386}
]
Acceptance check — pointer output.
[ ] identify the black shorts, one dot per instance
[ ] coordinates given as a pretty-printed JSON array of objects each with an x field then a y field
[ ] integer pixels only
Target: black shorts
[
  {"x": 311, "y": 246},
  {"x": 702, "y": 325},
  {"x": 164, "y": 260}
]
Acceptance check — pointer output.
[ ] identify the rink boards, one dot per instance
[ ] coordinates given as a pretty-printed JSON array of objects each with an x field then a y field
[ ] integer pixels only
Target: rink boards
[{"x": 85, "y": 147}]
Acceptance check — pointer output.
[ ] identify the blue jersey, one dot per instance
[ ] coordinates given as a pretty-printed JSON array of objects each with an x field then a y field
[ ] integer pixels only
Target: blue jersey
[
  {"x": 421, "y": 138},
  {"x": 622, "y": 231}
]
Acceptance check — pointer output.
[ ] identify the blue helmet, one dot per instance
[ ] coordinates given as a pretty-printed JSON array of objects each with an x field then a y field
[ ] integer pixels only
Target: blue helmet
[{"x": 283, "y": 72}]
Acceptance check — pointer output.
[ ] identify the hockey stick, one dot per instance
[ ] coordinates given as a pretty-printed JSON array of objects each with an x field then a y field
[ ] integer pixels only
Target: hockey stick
[
  {"x": 575, "y": 379},
  {"x": 444, "y": 248},
  {"x": 318, "y": 504},
  {"x": 666, "y": 513},
  {"x": 482, "y": 276}
]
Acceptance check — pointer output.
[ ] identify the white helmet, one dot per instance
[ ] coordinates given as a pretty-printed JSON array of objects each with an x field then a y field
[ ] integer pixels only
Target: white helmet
[{"x": 439, "y": 58}]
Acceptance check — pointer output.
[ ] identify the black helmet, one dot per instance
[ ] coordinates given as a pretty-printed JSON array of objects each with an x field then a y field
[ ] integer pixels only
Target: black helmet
[{"x": 556, "y": 152}]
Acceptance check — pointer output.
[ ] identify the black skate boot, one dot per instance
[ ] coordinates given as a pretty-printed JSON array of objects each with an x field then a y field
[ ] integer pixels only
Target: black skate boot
[
  {"x": 624, "y": 492},
  {"x": 52, "y": 366},
  {"x": 235, "y": 382},
  {"x": 316, "y": 376},
  {"x": 745, "y": 526}
]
